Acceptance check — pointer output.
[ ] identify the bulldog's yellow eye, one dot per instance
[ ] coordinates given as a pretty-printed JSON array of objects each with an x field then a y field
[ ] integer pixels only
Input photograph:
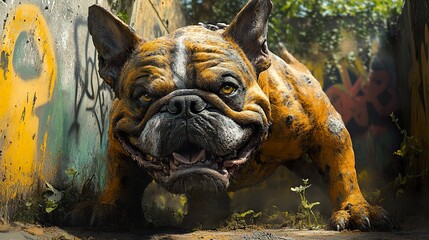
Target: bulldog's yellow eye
[
  {"x": 228, "y": 89},
  {"x": 146, "y": 98}
]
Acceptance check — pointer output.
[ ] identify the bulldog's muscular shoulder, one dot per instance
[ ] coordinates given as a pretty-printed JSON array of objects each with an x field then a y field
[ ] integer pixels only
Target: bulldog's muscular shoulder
[{"x": 298, "y": 107}]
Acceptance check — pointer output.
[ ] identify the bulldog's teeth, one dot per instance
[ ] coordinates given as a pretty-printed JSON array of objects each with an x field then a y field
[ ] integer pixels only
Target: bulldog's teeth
[
  {"x": 201, "y": 156},
  {"x": 190, "y": 159},
  {"x": 173, "y": 166},
  {"x": 179, "y": 158},
  {"x": 232, "y": 163},
  {"x": 166, "y": 169},
  {"x": 175, "y": 162},
  {"x": 224, "y": 172}
]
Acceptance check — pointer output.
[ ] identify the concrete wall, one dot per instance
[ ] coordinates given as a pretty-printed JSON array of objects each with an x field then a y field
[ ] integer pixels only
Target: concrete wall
[
  {"x": 155, "y": 18},
  {"x": 413, "y": 72},
  {"x": 54, "y": 107}
]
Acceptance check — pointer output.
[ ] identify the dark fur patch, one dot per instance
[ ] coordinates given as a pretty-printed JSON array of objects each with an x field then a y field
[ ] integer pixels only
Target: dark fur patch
[{"x": 289, "y": 120}]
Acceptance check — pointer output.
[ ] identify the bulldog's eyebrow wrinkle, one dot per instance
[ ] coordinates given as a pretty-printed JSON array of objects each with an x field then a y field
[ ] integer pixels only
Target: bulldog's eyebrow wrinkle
[{"x": 179, "y": 62}]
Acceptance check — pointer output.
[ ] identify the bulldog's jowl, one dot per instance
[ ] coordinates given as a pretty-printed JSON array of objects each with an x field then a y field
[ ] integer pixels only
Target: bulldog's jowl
[{"x": 207, "y": 110}]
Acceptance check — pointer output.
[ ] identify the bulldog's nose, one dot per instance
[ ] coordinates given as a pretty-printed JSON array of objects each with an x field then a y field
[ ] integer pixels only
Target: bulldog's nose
[{"x": 186, "y": 105}]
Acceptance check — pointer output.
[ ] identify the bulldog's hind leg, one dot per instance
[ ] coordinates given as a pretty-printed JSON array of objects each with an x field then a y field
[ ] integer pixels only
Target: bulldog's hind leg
[{"x": 333, "y": 155}]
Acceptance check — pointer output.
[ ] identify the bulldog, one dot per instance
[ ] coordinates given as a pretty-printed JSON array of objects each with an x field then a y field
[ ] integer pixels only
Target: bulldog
[{"x": 209, "y": 109}]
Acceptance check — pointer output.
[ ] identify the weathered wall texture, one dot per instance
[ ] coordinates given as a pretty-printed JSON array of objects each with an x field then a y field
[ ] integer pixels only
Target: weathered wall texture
[
  {"x": 54, "y": 107},
  {"x": 413, "y": 72},
  {"x": 155, "y": 18}
]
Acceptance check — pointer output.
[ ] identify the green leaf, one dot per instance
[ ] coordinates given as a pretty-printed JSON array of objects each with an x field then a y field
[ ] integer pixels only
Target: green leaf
[
  {"x": 310, "y": 206},
  {"x": 52, "y": 196},
  {"x": 50, "y": 206},
  {"x": 71, "y": 172},
  {"x": 402, "y": 152},
  {"x": 258, "y": 214},
  {"x": 123, "y": 16},
  {"x": 243, "y": 215}
]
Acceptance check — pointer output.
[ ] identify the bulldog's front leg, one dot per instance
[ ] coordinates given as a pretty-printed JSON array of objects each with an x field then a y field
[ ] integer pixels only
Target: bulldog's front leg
[
  {"x": 334, "y": 156},
  {"x": 119, "y": 206}
]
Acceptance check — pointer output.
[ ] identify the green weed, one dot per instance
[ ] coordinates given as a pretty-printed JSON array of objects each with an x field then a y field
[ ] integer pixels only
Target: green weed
[
  {"x": 409, "y": 151},
  {"x": 306, "y": 206}
]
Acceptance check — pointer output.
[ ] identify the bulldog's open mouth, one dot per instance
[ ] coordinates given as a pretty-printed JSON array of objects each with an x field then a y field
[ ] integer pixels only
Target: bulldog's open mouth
[
  {"x": 194, "y": 158},
  {"x": 191, "y": 163}
]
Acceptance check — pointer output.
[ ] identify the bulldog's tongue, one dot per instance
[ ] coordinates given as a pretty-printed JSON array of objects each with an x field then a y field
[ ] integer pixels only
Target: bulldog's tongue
[{"x": 190, "y": 157}]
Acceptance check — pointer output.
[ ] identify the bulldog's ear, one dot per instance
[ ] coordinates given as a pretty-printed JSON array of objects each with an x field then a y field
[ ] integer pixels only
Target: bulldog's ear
[
  {"x": 114, "y": 41},
  {"x": 249, "y": 31}
]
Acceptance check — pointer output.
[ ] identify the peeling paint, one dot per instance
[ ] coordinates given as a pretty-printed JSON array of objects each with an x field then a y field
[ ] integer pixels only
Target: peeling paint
[{"x": 29, "y": 75}]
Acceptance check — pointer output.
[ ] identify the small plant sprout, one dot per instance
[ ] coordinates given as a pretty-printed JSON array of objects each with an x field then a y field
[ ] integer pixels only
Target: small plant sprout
[
  {"x": 71, "y": 172},
  {"x": 304, "y": 202},
  {"x": 52, "y": 196},
  {"x": 409, "y": 150}
]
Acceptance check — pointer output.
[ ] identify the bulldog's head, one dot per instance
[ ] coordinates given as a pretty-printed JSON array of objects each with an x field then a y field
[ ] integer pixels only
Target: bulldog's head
[{"x": 189, "y": 108}]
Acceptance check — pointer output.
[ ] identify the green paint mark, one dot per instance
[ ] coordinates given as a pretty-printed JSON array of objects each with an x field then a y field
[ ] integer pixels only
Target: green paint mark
[
  {"x": 26, "y": 59},
  {"x": 4, "y": 63}
]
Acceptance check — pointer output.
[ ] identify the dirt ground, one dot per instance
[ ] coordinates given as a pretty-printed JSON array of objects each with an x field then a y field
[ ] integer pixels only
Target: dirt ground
[{"x": 20, "y": 231}]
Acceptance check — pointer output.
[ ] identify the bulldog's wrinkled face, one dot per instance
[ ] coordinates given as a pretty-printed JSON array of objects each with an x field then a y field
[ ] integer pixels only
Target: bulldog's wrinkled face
[
  {"x": 189, "y": 106},
  {"x": 192, "y": 100}
]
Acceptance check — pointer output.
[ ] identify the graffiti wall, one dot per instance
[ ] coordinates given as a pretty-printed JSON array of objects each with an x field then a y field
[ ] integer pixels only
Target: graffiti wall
[
  {"x": 54, "y": 107},
  {"x": 363, "y": 89},
  {"x": 413, "y": 71},
  {"x": 364, "y": 92}
]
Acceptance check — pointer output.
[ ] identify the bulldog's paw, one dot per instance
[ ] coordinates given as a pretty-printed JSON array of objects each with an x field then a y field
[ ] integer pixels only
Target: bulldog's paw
[{"x": 363, "y": 217}]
